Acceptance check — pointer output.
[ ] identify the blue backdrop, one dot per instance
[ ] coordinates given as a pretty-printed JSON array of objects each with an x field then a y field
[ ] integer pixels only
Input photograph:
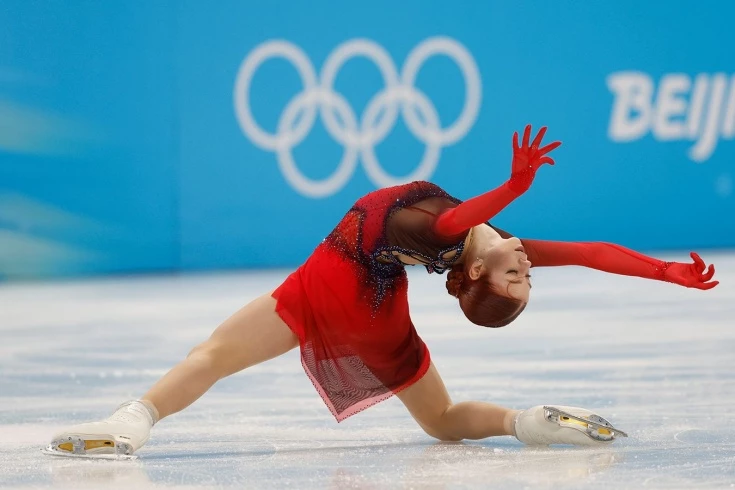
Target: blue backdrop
[{"x": 149, "y": 136}]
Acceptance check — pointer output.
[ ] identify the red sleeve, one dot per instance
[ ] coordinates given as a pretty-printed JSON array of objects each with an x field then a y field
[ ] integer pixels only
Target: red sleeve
[
  {"x": 474, "y": 211},
  {"x": 606, "y": 257}
]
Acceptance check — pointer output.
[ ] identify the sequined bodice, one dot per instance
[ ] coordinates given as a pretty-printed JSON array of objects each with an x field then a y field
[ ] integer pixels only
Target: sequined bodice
[
  {"x": 398, "y": 220},
  {"x": 410, "y": 233}
]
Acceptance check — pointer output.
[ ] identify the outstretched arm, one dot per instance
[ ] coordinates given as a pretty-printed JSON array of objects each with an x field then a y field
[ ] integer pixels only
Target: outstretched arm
[
  {"x": 616, "y": 259},
  {"x": 527, "y": 158}
]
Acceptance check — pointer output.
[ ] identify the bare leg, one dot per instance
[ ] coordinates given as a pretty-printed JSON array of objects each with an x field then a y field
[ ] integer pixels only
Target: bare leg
[
  {"x": 252, "y": 335},
  {"x": 429, "y": 403}
]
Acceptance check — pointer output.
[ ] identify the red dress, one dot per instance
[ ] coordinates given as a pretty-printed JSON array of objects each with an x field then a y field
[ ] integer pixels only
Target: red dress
[{"x": 348, "y": 302}]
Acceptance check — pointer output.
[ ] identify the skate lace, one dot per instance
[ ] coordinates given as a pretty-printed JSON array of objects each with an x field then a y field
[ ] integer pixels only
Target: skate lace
[{"x": 130, "y": 414}]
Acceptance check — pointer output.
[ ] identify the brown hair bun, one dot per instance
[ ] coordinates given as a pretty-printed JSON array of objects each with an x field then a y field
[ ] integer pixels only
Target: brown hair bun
[
  {"x": 479, "y": 300},
  {"x": 454, "y": 282}
]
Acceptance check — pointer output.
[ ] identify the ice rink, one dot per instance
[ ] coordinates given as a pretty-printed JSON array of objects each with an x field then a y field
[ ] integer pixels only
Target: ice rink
[{"x": 655, "y": 359}]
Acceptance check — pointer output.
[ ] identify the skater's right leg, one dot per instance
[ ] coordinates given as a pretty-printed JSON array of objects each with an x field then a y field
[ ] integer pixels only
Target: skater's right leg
[{"x": 252, "y": 335}]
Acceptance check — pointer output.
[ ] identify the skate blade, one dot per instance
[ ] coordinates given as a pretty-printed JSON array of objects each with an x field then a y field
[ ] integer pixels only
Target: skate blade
[
  {"x": 596, "y": 427},
  {"x": 76, "y": 446},
  {"x": 50, "y": 451}
]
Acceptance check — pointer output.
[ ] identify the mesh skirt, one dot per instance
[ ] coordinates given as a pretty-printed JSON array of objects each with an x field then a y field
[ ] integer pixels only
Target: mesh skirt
[{"x": 356, "y": 350}]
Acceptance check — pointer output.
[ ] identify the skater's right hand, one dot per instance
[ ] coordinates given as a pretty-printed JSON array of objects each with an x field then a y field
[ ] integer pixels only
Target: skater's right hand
[
  {"x": 691, "y": 275},
  {"x": 527, "y": 158}
]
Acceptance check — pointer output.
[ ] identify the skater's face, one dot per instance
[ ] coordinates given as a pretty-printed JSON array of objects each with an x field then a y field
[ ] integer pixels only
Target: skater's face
[{"x": 508, "y": 268}]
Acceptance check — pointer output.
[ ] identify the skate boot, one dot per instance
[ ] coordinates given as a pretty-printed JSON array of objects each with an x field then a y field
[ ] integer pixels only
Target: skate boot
[
  {"x": 116, "y": 437},
  {"x": 544, "y": 425}
]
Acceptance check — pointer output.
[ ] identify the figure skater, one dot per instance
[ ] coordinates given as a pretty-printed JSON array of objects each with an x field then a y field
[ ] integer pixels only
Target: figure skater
[{"x": 347, "y": 309}]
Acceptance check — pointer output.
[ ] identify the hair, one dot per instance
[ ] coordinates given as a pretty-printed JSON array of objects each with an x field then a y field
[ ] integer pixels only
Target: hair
[{"x": 480, "y": 301}]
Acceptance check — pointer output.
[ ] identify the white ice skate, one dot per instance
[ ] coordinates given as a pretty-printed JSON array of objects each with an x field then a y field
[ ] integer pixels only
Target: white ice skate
[
  {"x": 545, "y": 425},
  {"x": 116, "y": 437}
]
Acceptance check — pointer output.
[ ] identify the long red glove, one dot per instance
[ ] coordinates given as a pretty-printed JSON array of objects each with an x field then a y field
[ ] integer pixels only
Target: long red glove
[
  {"x": 527, "y": 158},
  {"x": 616, "y": 259}
]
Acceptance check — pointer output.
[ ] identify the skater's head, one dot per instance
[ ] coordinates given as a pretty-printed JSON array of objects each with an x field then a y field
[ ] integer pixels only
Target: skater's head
[{"x": 493, "y": 283}]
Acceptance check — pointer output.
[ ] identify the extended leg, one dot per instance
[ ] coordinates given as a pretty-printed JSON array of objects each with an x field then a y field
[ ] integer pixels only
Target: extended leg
[{"x": 252, "y": 335}]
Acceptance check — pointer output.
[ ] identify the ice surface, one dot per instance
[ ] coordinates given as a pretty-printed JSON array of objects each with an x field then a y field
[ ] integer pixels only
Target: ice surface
[{"x": 655, "y": 359}]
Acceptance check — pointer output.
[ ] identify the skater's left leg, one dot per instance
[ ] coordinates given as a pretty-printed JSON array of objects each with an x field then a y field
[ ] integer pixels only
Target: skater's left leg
[{"x": 429, "y": 403}]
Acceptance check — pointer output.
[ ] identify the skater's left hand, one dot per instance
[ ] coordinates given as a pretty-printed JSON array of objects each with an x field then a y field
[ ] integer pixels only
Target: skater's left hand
[
  {"x": 691, "y": 275},
  {"x": 527, "y": 158}
]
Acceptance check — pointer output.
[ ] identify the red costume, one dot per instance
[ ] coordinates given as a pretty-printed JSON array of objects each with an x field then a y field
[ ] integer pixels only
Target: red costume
[
  {"x": 348, "y": 305},
  {"x": 348, "y": 302}
]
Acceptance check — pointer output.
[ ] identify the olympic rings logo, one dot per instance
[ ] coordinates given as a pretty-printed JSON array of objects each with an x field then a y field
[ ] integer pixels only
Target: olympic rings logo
[{"x": 358, "y": 138}]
